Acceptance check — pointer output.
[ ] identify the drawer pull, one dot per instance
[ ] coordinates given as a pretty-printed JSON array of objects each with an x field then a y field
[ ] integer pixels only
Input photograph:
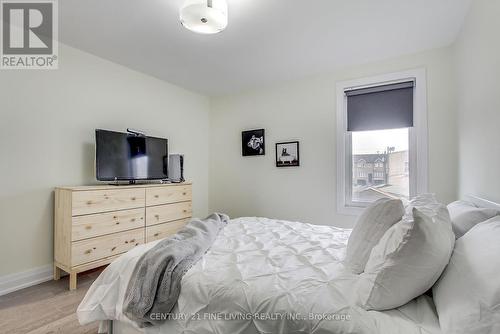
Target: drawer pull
[
  {"x": 89, "y": 202},
  {"x": 112, "y": 249},
  {"x": 132, "y": 220},
  {"x": 185, "y": 211},
  {"x": 115, "y": 217},
  {"x": 117, "y": 223},
  {"x": 157, "y": 216},
  {"x": 156, "y": 234},
  {"x": 133, "y": 198},
  {"x": 126, "y": 241},
  {"x": 88, "y": 227},
  {"x": 184, "y": 194},
  {"x": 157, "y": 196},
  {"x": 88, "y": 251},
  {"x": 133, "y": 240},
  {"x": 137, "y": 244}
]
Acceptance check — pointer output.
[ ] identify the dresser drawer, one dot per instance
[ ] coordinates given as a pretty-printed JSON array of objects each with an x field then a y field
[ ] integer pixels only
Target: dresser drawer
[
  {"x": 164, "y": 230},
  {"x": 168, "y": 212},
  {"x": 89, "y": 226},
  {"x": 165, "y": 195},
  {"x": 101, "y": 247},
  {"x": 94, "y": 201}
]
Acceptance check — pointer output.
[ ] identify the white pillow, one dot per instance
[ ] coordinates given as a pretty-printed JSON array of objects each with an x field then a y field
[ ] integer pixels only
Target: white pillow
[
  {"x": 467, "y": 296},
  {"x": 425, "y": 202},
  {"x": 369, "y": 228},
  {"x": 407, "y": 261},
  {"x": 465, "y": 215}
]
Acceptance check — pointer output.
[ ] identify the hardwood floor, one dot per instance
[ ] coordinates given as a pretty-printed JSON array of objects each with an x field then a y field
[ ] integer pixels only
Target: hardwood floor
[{"x": 46, "y": 308}]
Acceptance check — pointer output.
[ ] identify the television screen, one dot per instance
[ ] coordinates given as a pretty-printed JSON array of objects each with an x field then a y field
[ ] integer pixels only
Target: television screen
[{"x": 122, "y": 156}]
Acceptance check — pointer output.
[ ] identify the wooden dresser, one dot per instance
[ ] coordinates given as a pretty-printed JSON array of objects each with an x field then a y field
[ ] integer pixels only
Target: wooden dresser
[{"x": 93, "y": 225}]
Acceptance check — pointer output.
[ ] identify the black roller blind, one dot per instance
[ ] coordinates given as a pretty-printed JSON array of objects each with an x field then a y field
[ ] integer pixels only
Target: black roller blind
[{"x": 380, "y": 107}]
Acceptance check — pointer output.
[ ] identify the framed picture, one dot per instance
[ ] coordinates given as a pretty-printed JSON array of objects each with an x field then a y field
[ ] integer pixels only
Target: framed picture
[
  {"x": 253, "y": 143},
  {"x": 287, "y": 154}
]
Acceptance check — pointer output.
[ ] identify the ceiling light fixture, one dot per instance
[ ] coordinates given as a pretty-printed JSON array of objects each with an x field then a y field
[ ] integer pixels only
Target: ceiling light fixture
[{"x": 204, "y": 16}]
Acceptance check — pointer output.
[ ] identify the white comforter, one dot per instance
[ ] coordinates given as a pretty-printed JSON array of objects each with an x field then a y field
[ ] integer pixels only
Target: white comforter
[{"x": 263, "y": 276}]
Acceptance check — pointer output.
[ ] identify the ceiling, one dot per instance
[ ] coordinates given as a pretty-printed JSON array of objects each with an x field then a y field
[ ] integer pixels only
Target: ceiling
[{"x": 266, "y": 41}]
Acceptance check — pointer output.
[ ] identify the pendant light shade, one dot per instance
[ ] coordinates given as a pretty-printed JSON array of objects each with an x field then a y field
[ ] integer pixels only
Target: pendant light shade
[{"x": 204, "y": 16}]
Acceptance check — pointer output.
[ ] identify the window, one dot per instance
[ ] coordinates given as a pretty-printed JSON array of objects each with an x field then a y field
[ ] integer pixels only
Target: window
[
  {"x": 390, "y": 145},
  {"x": 381, "y": 139}
]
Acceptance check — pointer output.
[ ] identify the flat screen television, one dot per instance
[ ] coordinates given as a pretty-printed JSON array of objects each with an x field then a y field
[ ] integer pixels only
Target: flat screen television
[{"x": 129, "y": 157}]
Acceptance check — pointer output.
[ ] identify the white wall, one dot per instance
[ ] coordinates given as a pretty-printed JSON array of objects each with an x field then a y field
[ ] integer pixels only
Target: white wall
[
  {"x": 478, "y": 100},
  {"x": 47, "y": 122},
  {"x": 305, "y": 110}
]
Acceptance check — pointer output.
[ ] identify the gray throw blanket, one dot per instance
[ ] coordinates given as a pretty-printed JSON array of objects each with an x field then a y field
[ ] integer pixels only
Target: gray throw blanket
[{"x": 155, "y": 284}]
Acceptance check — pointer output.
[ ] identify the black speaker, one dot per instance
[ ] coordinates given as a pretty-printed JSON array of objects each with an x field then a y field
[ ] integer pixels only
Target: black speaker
[{"x": 176, "y": 168}]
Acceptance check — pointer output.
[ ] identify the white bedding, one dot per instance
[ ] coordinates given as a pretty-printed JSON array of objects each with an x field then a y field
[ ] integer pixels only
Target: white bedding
[{"x": 265, "y": 268}]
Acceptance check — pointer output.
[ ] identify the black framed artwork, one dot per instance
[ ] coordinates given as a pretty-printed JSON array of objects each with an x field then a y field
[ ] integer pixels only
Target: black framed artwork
[
  {"x": 253, "y": 142},
  {"x": 287, "y": 154}
]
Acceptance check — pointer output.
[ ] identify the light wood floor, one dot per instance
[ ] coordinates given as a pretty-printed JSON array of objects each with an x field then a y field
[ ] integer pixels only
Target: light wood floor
[{"x": 46, "y": 308}]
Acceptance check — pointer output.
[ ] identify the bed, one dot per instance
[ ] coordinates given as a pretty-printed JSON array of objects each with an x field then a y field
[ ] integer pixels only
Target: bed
[{"x": 260, "y": 276}]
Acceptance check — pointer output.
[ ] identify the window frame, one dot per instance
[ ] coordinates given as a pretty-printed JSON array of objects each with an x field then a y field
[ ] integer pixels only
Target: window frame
[{"x": 418, "y": 137}]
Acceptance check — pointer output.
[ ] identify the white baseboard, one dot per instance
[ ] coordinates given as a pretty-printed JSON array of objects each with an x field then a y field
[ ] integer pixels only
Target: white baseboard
[{"x": 12, "y": 282}]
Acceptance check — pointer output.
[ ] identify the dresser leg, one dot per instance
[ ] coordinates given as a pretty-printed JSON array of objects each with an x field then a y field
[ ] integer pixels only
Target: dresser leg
[
  {"x": 57, "y": 273},
  {"x": 72, "y": 280}
]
